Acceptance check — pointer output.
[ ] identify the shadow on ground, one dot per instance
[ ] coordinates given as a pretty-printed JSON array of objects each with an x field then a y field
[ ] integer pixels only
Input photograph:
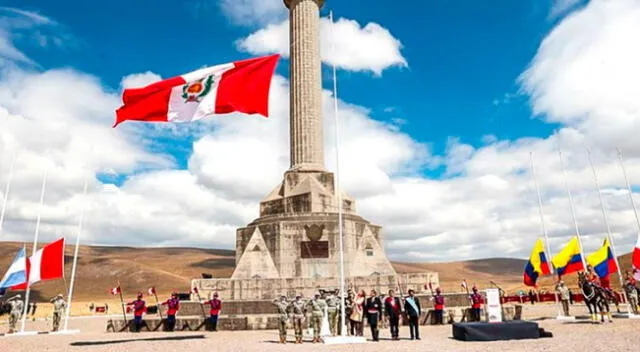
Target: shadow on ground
[{"x": 110, "y": 342}]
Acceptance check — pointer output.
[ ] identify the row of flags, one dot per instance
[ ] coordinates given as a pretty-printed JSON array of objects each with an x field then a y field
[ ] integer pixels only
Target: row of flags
[
  {"x": 46, "y": 264},
  {"x": 569, "y": 260}
]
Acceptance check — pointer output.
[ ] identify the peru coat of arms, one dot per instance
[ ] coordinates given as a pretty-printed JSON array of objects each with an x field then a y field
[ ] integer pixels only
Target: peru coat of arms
[{"x": 196, "y": 90}]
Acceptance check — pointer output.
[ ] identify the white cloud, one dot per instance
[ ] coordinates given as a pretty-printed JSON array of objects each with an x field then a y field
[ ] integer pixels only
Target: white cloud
[
  {"x": 254, "y": 12},
  {"x": 345, "y": 44},
  {"x": 560, "y": 8},
  {"x": 137, "y": 80}
]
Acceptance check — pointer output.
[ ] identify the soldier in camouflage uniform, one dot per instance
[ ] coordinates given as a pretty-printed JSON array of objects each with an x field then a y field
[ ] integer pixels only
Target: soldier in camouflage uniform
[
  {"x": 333, "y": 306},
  {"x": 297, "y": 308},
  {"x": 317, "y": 313},
  {"x": 58, "y": 307},
  {"x": 283, "y": 317},
  {"x": 17, "y": 307}
]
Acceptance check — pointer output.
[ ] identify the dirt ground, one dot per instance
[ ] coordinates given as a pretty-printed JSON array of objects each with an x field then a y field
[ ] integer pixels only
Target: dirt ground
[{"x": 578, "y": 335}]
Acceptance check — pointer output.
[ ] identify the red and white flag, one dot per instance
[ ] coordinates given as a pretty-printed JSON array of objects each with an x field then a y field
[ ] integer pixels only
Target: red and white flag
[
  {"x": 47, "y": 263},
  {"x": 464, "y": 284},
  {"x": 240, "y": 86},
  {"x": 635, "y": 258},
  {"x": 115, "y": 291},
  {"x": 152, "y": 291}
]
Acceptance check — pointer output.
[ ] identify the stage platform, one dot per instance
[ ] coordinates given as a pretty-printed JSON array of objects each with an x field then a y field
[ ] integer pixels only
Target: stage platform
[{"x": 508, "y": 330}]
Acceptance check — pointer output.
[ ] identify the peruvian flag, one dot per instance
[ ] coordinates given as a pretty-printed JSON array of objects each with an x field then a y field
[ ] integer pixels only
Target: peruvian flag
[
  {"x": 635, "y": 259},
  {"x": 241, "y": 86},
  {"x": 152, "y": 291},
  {"x": 115, "y": 291},
  {"x": 46, "y": 264}
]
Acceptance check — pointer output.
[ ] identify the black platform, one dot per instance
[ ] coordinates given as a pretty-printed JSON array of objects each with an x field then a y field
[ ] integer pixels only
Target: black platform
[{"x": 508, "y": 330}]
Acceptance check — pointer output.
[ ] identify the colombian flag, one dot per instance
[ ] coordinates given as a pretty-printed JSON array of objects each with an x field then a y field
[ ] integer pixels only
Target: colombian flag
[
  {"x": 602, "y": 260},
  {"x": 569, "y": 259},
  {"x": 537, "y": 265}
]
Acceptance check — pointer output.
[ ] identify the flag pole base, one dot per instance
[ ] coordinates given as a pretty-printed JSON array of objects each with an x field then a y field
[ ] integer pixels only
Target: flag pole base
[
  {"x": 626, "y": 315},
  {"x": 65, "y": 332},
  {"x": 565, "y": 318},
  {"x": 22, "y": 333},
  {"x": 340, "y": 340},
  {"x": 634, "y": 316}
]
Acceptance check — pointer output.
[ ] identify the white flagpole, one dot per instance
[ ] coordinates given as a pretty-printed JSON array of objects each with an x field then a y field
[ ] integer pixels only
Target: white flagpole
[
  {"x": 606, "y": 223},
  {"x": 343, "y": 330},
  {"x": 6, "y": 192},
  {"x": 573, "y": 212},
  {"x": 626, "y": 180},
  {"x": 75, "y": 256},
  {"x": 35, "y": 244},
  {"x": 541, "y": 211}
]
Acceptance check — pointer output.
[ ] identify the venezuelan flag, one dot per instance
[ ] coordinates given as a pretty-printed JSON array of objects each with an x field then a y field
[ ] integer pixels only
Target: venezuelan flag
[
  {"x": 602, "y": 260},
  {"x": 569, "y": 260},
  {"x": 537, "y": 265}
]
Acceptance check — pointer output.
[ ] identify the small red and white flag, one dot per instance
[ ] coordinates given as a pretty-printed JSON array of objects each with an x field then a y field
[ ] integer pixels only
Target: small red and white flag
[
  {"x": 152, "y": 291},
  {"x": 635, "y": 258},
  {"x": 464, "y": 284},
  {"x": 240, "y": 86},
  {"x": 115, "y": 291}
]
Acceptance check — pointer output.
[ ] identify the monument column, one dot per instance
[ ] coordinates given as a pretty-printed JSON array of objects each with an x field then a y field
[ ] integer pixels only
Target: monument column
[{"x": 306, "y": 136}]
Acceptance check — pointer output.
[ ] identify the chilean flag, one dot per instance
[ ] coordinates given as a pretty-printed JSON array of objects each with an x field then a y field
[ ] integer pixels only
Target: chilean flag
[
  {"x": 46, "y": 264},
  {"x": 241, "y": 86}
]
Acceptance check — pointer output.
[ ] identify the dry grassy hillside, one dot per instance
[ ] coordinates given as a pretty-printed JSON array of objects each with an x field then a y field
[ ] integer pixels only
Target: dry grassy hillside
[{"x": 173, "y": 268}]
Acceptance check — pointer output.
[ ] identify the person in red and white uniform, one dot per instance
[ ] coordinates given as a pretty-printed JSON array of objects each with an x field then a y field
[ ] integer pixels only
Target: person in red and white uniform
[
  {"x": 393, "y": 309},
  {"x": 438, "y": 306},
  {"x": 476, "y": 304},
  {"x": 173, "y": 306},
  {"x": 139, "y": 308},
  {"x": 216, "y": 307}
]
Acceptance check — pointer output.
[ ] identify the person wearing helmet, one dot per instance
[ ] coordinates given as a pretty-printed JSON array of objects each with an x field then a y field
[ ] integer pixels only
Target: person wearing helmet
[
  {"x": 139, "y": 307},
  {"x": 476, "y": 304},
  {"x": 216, "y": 305},
  {"x": 173, "y": 306},
  {"x": 59, "y": 305},
  {"x": 438, "y": 306},
  {"x": 17, "y": 308}
]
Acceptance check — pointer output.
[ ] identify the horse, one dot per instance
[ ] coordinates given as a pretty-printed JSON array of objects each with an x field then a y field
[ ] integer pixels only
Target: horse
[{"x": 594, "y": 298}]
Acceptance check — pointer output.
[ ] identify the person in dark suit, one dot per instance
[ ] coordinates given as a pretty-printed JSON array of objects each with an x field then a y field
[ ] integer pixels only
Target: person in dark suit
[
  {"x": 373, "y": 309},
  {"x": 393, "y": 309},
  {"x": 412, "y": 307}
]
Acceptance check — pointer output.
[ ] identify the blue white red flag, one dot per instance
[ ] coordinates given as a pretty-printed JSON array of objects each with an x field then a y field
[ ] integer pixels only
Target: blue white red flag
[{"x": 17, "y": 273}]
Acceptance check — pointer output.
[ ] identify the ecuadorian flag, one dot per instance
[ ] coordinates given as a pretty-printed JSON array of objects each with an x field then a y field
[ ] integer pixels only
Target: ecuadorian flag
[
  {"x": 602, "y": 261},
  {"x": 569, "y": 259},
  {"x": 537, "y": 265}
]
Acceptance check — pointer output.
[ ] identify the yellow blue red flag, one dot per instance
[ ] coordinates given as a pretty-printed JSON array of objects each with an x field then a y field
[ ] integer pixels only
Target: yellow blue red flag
[
  {"x": 537, "y": 265},
  {"x": 602, "y": 260},
  {"x": 569, "y": 260}
]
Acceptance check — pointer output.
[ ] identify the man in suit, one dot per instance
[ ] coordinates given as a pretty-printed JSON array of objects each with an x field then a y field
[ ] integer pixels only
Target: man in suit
[
  {"x": 373, "y": 309},
  {"x": 393, "y": 309},
  {"x": 412, "y": 307}
]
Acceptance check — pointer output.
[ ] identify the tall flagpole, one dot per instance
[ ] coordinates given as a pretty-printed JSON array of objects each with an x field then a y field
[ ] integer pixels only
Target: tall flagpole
[
  {"x": 75, "y": 255},
  {"x": 544, "y": 228},
  {"x": 573, "y": 212},
  {"x": 343, "y": 330},
  {"x": 35, "y": 244},
  {"x": 626, "y": 180},
  {"x": 5, "y": 197},
  {"x": 606, "y": 222}
]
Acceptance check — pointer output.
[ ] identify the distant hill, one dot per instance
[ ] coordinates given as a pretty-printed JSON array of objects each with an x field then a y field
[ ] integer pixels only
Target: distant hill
[{"x": 173, "y": 268}]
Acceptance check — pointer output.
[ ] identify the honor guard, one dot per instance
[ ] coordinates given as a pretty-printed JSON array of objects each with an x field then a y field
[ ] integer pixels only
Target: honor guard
[
  {"x": 173, "y": 306},
  {"x": 317, "y": 313},
  {"x": 283, "y": 317},
  {"x": 438, "y": 306},
  {"x": 58, "y": 307},
  {"x": 216, "y": 306},
  {"x": 333, "y": 305},
  {"x": 17, "y": 308},
  {"x": 139, "y": 307},
  {"x": 297, "y": 308},
  {"x": 476, "y": 304}
]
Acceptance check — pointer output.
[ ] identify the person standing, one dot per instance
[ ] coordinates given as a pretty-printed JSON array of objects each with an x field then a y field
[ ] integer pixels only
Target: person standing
[
  {"x": 216, "y": 306},
  {"x": 317, "y": 313},
  {"x": 283, "y": 317},
  {"x": 17, "y": 308},
  {"x": 348, "y": 310},
  {"x": 564, "y": 294},
  {"x": 393, "y": 309},
  {"x": 632, "y": 293},
  {"x": 173, "y": 306},
  {"x": 357, "y": 313},
  {"x": 59, "y": 306},
  {"x": 333, "y": 305},
  {"x": 412, "y": 308},
  {"x": 373, "y": 310},
  {"x": 297, "y": 308},
  {"x": 139, "y": 307},
  {"x": 438, "y": 306},
  {"x": 476, "y": 303}
]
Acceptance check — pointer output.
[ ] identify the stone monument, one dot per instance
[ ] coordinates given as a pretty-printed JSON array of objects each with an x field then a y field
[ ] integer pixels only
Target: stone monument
[{"x": 293, "y": 247}]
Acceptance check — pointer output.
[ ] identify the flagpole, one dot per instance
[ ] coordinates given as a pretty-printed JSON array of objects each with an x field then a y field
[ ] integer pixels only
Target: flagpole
[
  {"x": 626, "y": 180},
  {"x": 343, "y": 330},
  {"x": 573, "y": 212},
  {"x": 6, "y": 192},
  {"x": 35, "y": 244},
  {"x": 124, "y": 312},
  {"x": 606, "y": 222},
  {"x": 75, "y": 255},
  {"x": 544, "y": 228}
]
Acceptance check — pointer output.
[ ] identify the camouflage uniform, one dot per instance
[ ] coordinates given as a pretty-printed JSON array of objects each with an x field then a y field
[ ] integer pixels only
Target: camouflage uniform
[
  {"x": 297, "y": 307},
  {"x": 283, "y": 316},
  {"x": 317, "y": 313},
  {"x": 333, "y": 305},
  {"x": 58, "y": 307},
  {"x": 17, "y": 308}
]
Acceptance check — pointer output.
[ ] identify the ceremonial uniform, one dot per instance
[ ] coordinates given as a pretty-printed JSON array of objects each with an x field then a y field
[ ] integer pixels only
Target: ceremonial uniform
[
  {"x": 17, "y": 308},
  {"x": 412, "y": 307},
  {"x": 565, "y": 297},
  {"x": 476, "y": 304},
  {"x": 393, "y": 308},
  {"x": 139, "y": 308},
  {"x": 58, "y": 307},
  {"x": 373, "y": 309},
  {"x": 438, "y": 306},
  {"x": 317, "y": 313},
  {"x": 632, "y": 293},
  {"x": 297, "y": 308},
  {"x": 283, "y": 317},
  {"x": 216, "y": 306},
  {"x": 333, "y": 304},
  {"x": 173, "y": 306}
]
